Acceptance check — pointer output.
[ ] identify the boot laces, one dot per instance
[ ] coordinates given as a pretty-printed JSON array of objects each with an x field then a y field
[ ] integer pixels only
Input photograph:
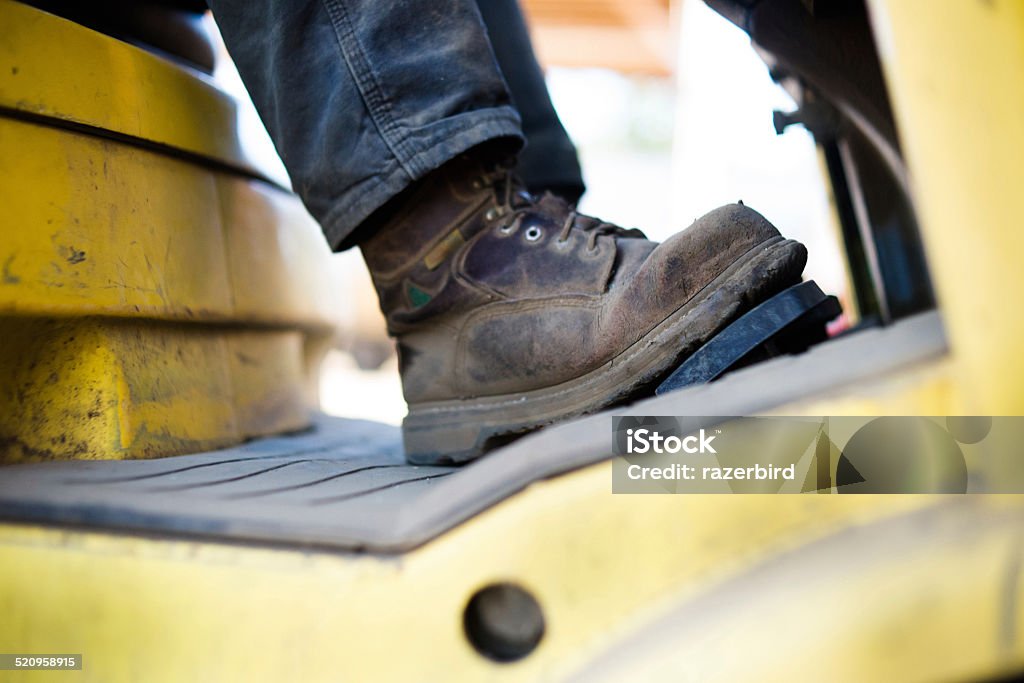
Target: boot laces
[{"x": 518, "y": 202}]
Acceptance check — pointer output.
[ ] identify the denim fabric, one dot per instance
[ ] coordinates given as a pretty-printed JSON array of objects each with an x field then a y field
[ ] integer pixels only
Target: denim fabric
[
  {"x": 362, "y": 97},
  {"x": 549, "y": 160}
]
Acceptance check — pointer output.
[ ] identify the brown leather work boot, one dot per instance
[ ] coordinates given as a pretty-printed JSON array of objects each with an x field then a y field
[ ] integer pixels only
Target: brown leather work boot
[{"x": 513, "y": 312}]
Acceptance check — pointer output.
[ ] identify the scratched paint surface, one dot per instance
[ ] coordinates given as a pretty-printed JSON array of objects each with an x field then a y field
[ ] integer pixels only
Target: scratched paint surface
[
  {"x": 107, "y": 389},
  {"x": 95, "y": 227},
  {"x": 149, "y": 306}
]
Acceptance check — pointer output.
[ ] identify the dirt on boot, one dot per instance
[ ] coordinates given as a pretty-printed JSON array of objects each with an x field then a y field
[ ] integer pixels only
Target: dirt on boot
[{"x": 514, "y": 312}]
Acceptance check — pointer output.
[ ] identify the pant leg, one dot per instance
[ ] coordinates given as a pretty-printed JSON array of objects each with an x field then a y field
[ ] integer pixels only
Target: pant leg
[
  {"x": 549, "y": 160},
  {"x": 362, "y": 97}
]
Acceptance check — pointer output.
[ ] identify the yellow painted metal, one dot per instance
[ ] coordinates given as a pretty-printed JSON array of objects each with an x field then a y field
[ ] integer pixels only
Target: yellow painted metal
[
  {"x": 954, "y": 73},
  {"x": 886, "y": 604},
  {"x": 150, "y": 304},
  {"x": 55, "y": 68},
  {"x": 96, "y": 227},
  {"x": 278, "y": 262},
  {"x": 98, "y": 389},
  {"x": 927, "y": 388},
  {"x": 601, "y": 566}
]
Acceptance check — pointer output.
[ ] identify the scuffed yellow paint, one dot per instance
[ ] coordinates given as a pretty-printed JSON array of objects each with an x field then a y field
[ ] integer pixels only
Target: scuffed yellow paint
[
  {"x": 602, "y": 566},
  {"x": 149, "y": 305},
  {"x": 954, "y": 73},
  {"x": 55, "y": 68}
]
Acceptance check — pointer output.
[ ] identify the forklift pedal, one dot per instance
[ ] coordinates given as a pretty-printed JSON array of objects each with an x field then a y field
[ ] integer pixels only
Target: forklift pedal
[{"x": 790, "y": 322}]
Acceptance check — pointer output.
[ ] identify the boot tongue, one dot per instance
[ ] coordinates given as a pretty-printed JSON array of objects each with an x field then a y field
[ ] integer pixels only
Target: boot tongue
[
  {"x": 553, "y": 205},
  {"x": 508, "y": 186},
  {"x": 557, "y": 208}
]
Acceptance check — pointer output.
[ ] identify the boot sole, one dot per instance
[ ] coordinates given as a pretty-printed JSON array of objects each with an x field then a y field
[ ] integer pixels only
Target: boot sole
[{"x": 457, "y": 431}]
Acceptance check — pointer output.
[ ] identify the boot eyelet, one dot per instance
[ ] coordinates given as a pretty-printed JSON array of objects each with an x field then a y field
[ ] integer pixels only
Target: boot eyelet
[
  {"x": 493, "y": 213},
  {"x": 533, "y": 233},
  {"x": 506, "y": 229}
]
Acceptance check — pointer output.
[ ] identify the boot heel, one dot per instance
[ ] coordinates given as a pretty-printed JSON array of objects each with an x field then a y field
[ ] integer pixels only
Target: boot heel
[
  {"x": 456, "y": 441},
  {"x": 439, "y": 444}
]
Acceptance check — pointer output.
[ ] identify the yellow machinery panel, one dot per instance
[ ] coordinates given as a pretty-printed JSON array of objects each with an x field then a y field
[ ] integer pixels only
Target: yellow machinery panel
[
  {"x": 752, "y": 587},
  {"x": 56, "y": 69},
  {"x": 96, "y": 227},
  {"x": 151, "y": 303},
  {"x": 98, "y": 389},
  {"x": 900, "y": 577},
  {"x": 954, "y": 70}
]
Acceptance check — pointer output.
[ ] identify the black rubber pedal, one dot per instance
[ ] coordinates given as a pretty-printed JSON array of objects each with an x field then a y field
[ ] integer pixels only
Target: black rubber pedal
[{"x": 790, "y": 322}]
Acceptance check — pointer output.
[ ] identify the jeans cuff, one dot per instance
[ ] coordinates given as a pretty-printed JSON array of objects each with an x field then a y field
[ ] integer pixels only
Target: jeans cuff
[{"x": 437, "y": 144}]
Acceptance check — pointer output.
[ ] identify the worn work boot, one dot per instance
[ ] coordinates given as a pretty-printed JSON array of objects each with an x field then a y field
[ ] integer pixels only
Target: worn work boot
[{"x": 513, "y": 312}]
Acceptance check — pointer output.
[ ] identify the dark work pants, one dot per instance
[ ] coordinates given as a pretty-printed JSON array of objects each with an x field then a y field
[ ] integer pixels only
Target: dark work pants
[{"x": 363, "y": 97}]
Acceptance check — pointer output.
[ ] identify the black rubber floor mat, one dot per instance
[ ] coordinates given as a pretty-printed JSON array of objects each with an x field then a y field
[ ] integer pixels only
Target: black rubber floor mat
[{"x": 344, "y": 485}]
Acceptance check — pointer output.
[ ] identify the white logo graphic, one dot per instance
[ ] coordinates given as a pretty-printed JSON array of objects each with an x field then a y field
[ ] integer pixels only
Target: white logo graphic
[{"x": 645, "y": 441}]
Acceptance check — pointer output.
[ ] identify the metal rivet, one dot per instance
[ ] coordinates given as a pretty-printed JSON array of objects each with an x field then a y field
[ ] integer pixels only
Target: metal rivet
[
  {"x": 533, "y": 233},
  {"x": 492, "y": 213},
  {"x": 503, "y": 622}
]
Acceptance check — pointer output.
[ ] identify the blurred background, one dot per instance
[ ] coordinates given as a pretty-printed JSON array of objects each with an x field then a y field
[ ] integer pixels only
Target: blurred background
[{"x": 671, "y": 111}]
